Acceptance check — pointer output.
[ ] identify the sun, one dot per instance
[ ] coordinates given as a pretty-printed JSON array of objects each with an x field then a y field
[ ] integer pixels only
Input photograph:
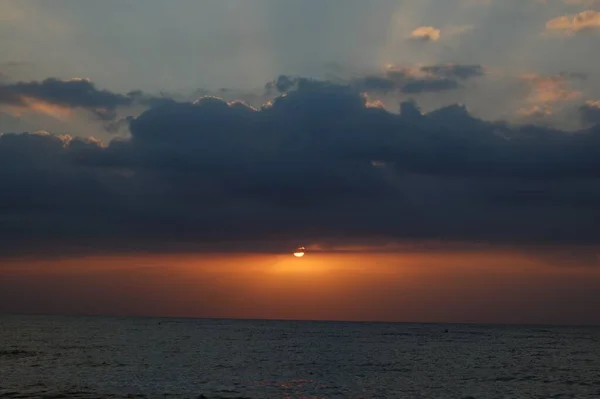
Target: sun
[{"x": 299, "y": 252}]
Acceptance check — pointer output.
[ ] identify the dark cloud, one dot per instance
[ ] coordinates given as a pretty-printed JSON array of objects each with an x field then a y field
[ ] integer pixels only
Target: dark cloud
[
  {"x": 590, "y": 112},
  {"x": 315, "y": 165},
  {"x": 429, "y": 85},
  {"x": 118, "y": 125},
  {"x": 282, "y": 84},
  {"x": 75, "y": 93},
  {"x": 452, "y": 71},
  {"x": 432, "y": 78}
]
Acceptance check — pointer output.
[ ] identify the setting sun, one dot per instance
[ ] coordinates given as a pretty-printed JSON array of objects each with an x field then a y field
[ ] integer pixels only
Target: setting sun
[{"x": 299, "y": 252}]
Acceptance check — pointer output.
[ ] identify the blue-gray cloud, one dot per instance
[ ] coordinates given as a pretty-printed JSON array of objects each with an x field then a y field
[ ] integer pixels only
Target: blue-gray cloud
[
  {"x": 590, "y": 112},
  {"x": 315, "y": 164},
  {"x": 430, "y": 78},
  {"x": 74, "y": 93}
]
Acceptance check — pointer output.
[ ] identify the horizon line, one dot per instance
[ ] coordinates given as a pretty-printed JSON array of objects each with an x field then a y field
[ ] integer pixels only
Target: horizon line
[{"x": 275, "y": 320}]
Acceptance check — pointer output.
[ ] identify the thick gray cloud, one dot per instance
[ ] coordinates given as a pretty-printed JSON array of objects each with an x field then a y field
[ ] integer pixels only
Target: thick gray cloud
[
  {"x": 317, "y": 164},
  {"x": 413, "y": 86},
  {"x": 452, "y": 71},
  {"x": 430, "y": 78},
  {"x": 75, "y": 93},
  {"x": 590, "y": 112}
]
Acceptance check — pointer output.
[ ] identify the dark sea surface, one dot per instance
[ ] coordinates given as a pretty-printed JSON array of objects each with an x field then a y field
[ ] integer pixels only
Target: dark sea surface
[{"x": 93, "y": 357}]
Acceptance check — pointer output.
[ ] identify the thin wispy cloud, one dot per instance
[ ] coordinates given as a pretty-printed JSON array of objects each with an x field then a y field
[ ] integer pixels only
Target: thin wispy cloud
[
  {"x": 588, "y": 3},
  {"x": 585, "y": 21},
  {"x": 426, "y": 34}
]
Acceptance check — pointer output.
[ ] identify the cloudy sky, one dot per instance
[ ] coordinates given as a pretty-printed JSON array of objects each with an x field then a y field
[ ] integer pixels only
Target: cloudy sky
[{"x": 424, "y": 152}]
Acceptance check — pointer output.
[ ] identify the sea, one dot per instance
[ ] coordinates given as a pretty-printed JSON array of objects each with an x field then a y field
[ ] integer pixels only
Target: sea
[{"x": 54, "y": 357}]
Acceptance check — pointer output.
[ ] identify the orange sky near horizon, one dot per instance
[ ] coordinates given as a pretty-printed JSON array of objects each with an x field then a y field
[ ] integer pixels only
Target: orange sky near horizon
[{"x": 480, "y": 287}]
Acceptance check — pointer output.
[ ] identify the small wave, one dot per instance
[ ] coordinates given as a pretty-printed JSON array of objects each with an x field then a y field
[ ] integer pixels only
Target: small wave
[
  {"x": 45, "y": 394},
  {"x": 399, "y": 334},
  {"x": 16, "y": 353},
  {"x": 222, "y": 397},
  {"x": 505, "y": 379}
]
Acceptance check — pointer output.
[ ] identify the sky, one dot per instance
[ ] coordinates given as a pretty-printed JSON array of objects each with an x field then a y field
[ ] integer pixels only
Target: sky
[{"x": 439, "y": 161}]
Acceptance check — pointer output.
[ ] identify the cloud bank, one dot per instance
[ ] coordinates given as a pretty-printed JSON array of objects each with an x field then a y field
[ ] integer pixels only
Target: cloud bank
[{"x": 316, "y": 164}]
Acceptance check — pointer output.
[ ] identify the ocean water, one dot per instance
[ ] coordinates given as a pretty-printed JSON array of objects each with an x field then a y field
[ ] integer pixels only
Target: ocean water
[{"x": 93, "y": 357}]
